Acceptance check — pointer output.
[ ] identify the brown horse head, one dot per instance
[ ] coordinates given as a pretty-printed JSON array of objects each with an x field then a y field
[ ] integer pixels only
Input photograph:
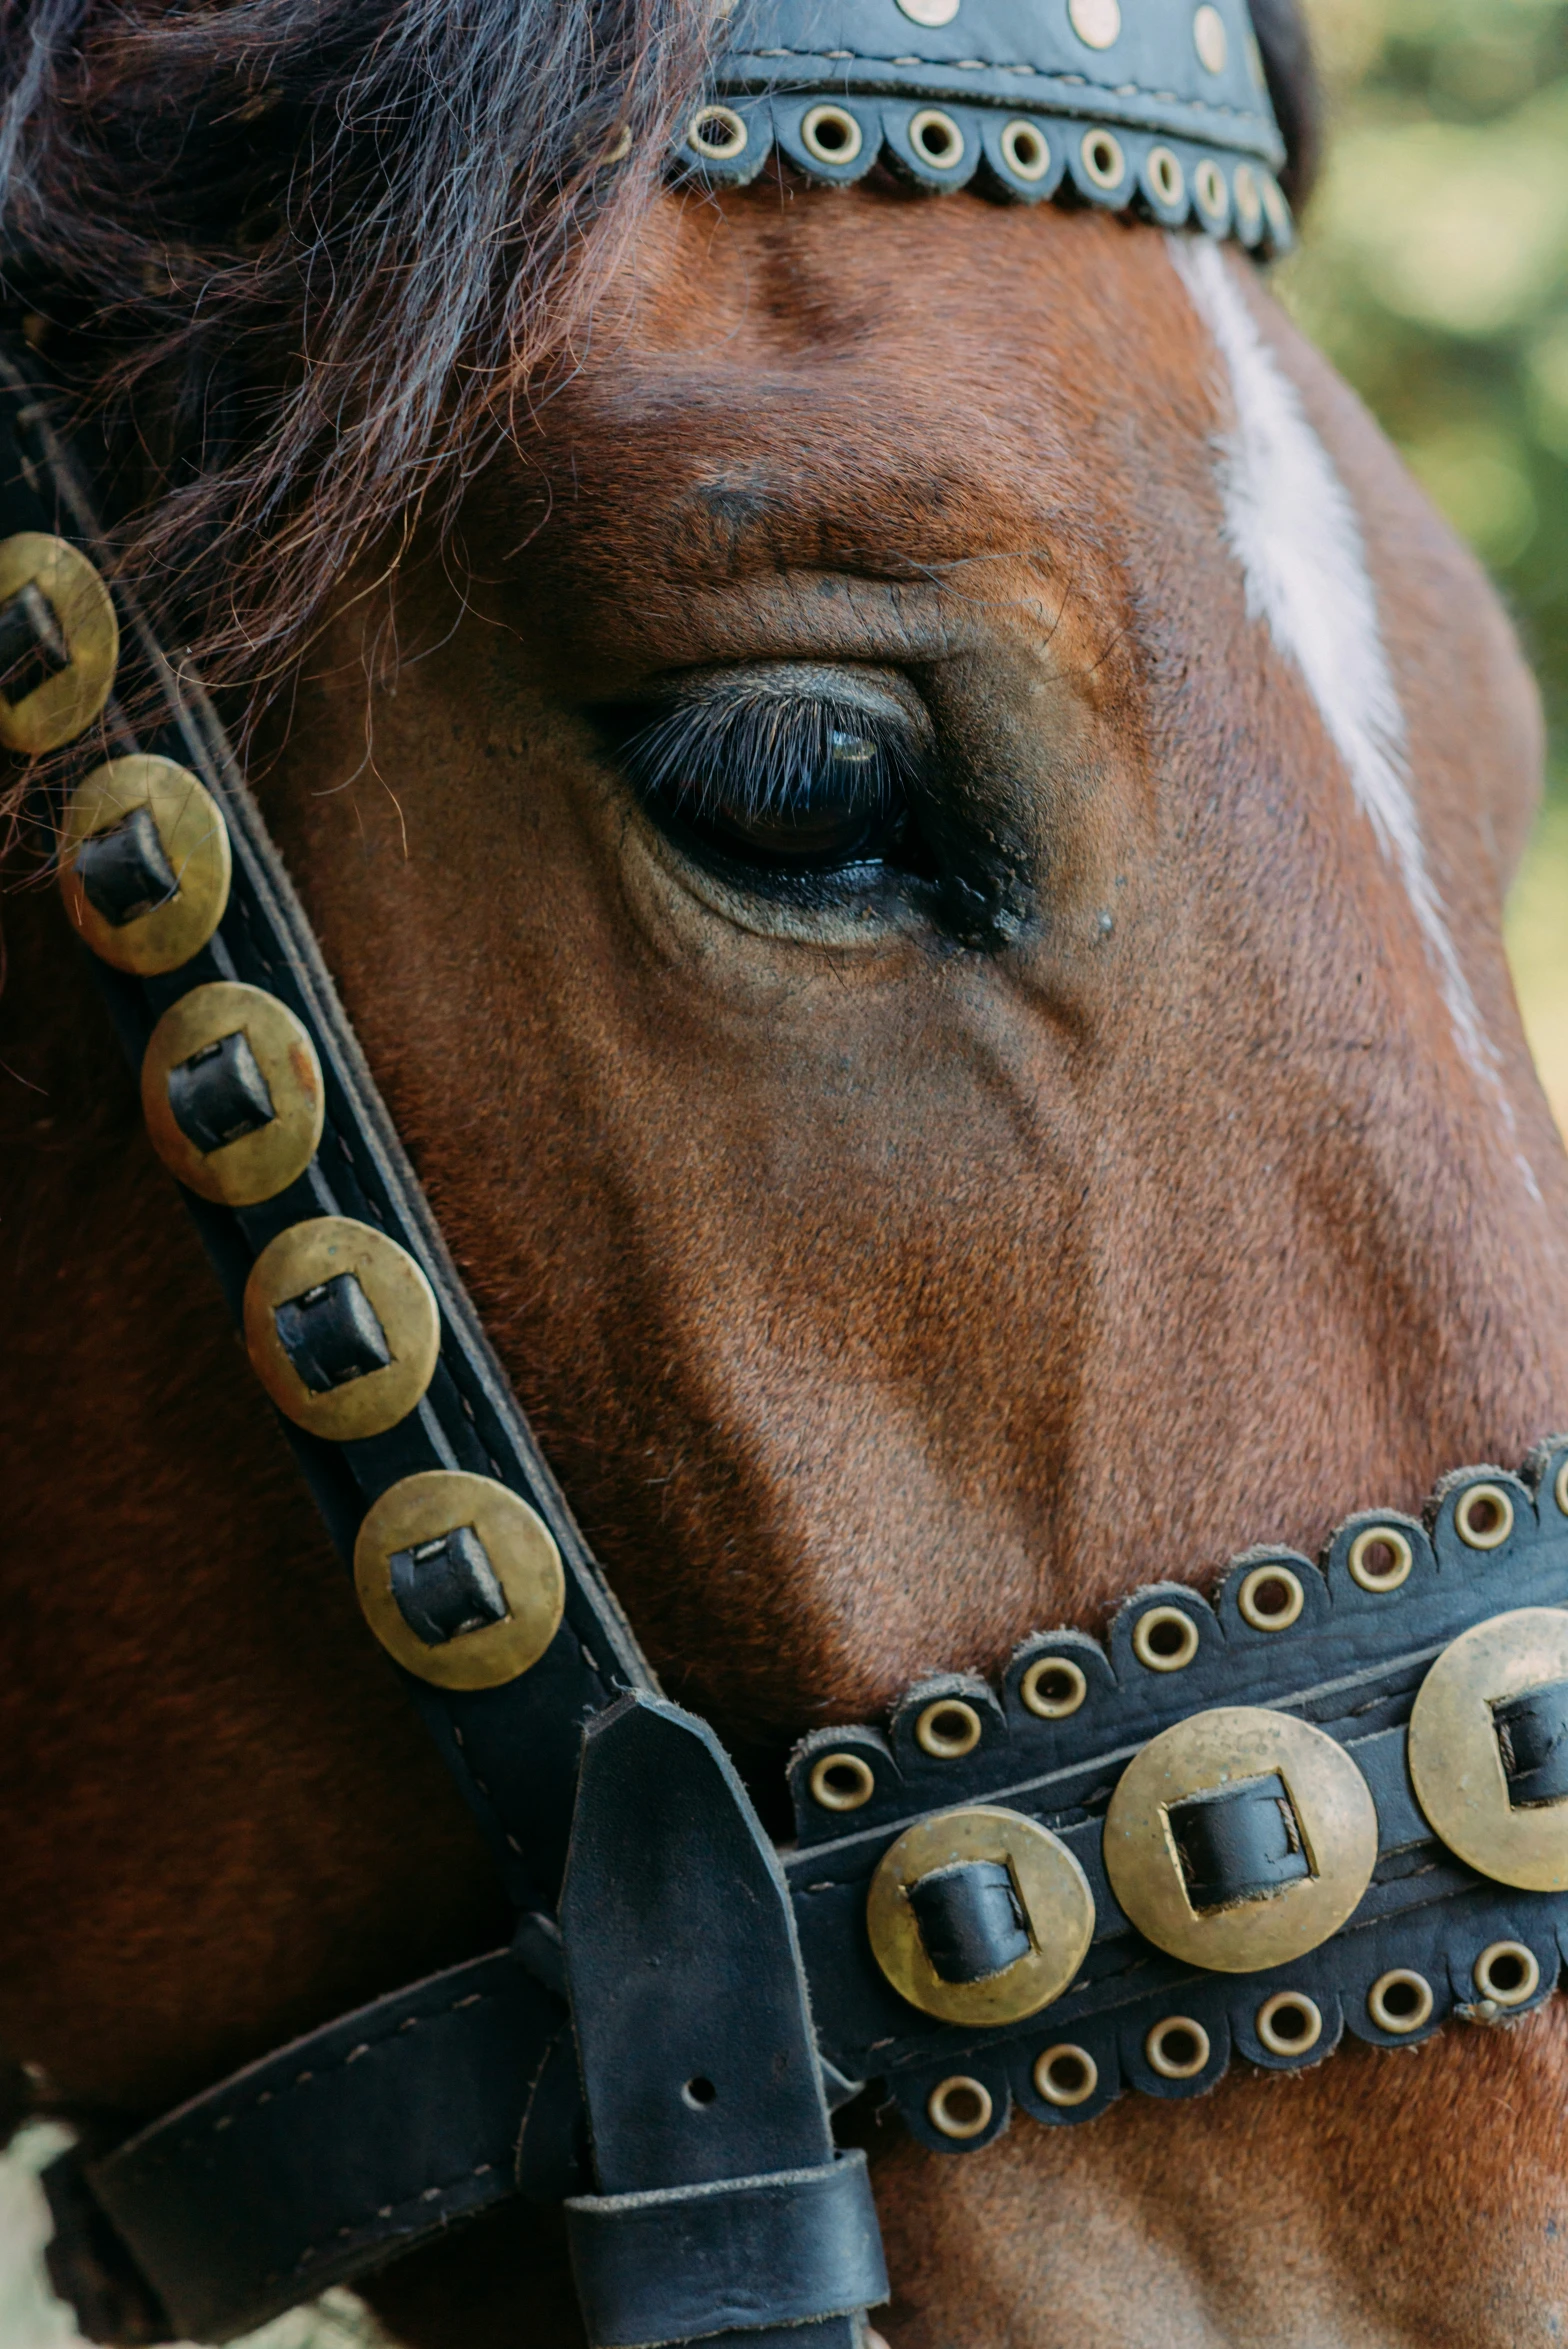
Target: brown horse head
[{"x": 920, "y": 867}]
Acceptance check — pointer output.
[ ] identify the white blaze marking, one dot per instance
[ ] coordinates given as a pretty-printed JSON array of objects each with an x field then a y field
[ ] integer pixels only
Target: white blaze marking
[{"x": 1292, "y": 527}]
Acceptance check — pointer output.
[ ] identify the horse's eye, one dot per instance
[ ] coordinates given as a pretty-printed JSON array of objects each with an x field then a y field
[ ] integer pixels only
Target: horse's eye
[{"x": 760, "y": 774}]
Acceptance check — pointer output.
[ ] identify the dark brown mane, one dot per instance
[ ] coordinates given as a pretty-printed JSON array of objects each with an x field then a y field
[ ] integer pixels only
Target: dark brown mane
[{"x": 299, "y": 253}]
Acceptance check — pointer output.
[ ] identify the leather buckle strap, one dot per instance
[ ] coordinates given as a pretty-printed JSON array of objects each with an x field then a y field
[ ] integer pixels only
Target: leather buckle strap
[{"x": 741, "y": 2256}]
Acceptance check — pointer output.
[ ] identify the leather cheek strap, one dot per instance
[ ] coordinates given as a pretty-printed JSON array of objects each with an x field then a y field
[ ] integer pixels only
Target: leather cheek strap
[{"x": 749, "y": 2254}]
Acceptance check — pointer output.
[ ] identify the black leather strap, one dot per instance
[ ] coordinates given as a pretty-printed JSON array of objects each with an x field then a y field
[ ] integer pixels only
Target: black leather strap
[
  {"x": 341, "y": 2151},
  {"x": 698, "y": 2058},
  {"x": 746, "y": 2256}
]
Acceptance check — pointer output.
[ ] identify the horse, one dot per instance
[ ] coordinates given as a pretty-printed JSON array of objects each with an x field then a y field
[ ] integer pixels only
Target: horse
[{"x": 908, "y": 1220}]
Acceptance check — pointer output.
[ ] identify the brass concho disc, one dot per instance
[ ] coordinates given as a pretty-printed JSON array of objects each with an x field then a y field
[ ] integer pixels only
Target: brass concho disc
[
  {"x": 82, "y": 611},
  {"x": 194, "y": 839},
  {"x": 387, "y": 1292},
  {"x": 1457, "y": 1763},
  {"x": 520, "y": 1551},
  {"x": 259, "y": 1163},
  {"x": 1331, "y": 1801},
  {"x": 1052, "y": 1891}
]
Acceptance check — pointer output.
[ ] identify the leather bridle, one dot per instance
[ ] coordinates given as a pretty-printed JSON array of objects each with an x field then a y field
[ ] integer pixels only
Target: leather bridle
[{"x": 1333, "y": 1797}]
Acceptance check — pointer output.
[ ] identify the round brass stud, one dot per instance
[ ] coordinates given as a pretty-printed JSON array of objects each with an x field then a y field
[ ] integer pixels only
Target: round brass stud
[
  {"x": 1484, "y": 1517},
  {"x": 193, "y": 840},
  {"x": 1560, "y": 1488},
  {"x": 1456, "y": 1762},
  {"x": 297, "y": 1268},
  {"x": 842, "y": 1782},
  {"x": 1097, "y": 23},
  {"x": 832, "y": 134},
  {"x": 1208, "y": 38},
  {"x": 1066, "y": 2075},
  {"x": 1271, "y": 1598},
  {"x": 1380, "y": 1558},
  {"x": 718, "y": 132},
  {"x": 1508, "y": 1973},
  {"x": 1052, "y": 1892},
  {"x": 1289, "y": 2023},
  {"x": 1208, "y": 185},
  {"x": 1103, "y": 159},
  {"x": 1332, "y": 1808},
  {"x": 79, "y": 609},
  {"x": 1166, "y": 176},
  {"x": 521, "y": 1554},
  {"x": 929, "y": 12},
  {"x": 1025, "y": 150},
  {"x": 960, "y": 2107},
  {"x": 1165, "y": 1639},
  {"x": 1177, "y": 2048},
  {"x": 936, "y": 139},
  {"x": 1053, "y": 1688},
  {"x": 1400, "y": 2001},
  {"x": 948, "y": 1729},
  {"x": 265, "y": 1157}
]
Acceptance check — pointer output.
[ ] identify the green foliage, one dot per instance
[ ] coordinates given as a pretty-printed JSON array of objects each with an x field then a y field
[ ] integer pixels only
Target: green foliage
[{"x": 1434, "y": 272}]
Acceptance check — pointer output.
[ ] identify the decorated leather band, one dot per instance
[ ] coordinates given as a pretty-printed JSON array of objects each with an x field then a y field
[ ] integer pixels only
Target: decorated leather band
[
  {"x": 1159, "y": 106},
  {"x": 1335, "y": 1797}
]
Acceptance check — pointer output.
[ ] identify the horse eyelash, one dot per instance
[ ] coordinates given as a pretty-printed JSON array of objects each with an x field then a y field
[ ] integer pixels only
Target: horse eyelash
[{"x": 760, "y": 754}]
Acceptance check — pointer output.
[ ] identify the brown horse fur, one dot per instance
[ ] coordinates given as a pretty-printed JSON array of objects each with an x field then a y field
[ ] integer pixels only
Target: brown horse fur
[{"x": 879, "y": 1297}]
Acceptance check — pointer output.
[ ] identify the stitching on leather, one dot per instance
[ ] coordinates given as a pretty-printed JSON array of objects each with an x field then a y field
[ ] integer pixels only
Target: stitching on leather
[
  {"x": 154, "y": 2156},
  {"x": 386, "y": 2216},
  {"x": 731, "y": 72}
]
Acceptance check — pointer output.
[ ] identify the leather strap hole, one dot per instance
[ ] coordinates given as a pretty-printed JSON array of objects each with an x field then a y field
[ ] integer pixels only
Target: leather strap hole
[
  {"x": 1103, "y": 159},
  {"x": 948, "y": 1729},
  {"x": 1271, "y": 1598},
  {"x": 842, "y": 1782},
  {"x": 1507, "y": 1973},
  {"x": 719, "y": 133},
  {"x": 960, "y": 2107},
  {"x": 1066, "y": 2075},
  {"x": 1165, "y": 1639},
  {"x": 699, "y": 2093},
  {"x": 831, "y": 134},
  {"x": 1400, "y": 2001},
  {"x": 1053, "y": 1688},
  {"x": 1177, "y": 2048},
  {"x": 1289, "y": 2023},
  {"x": 1380, "y": 1558},
  {"x": 1484, "y": 1517},
  {"x": 1026, "y": 151}
]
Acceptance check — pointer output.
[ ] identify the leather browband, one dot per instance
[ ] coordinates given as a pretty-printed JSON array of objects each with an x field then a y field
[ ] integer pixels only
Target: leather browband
[
  {"x": 1161, "y": 110},
  {"x": 666, "y": 2067}
]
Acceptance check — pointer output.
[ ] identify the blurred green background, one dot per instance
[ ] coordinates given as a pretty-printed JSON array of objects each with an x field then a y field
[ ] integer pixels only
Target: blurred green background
[{"x": 1434, "y": 273}]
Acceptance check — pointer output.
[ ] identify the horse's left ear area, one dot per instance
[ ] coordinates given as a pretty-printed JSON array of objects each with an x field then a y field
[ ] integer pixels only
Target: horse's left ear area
[{"x": 1297, "y": 93}]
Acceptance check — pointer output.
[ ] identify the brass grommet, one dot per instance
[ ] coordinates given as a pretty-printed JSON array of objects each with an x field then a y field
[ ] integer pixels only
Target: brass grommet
[
  {"x": 1456, "y": 1760},
  {"x": 390, "y": 1302},
  {"x": 1484, "y": 1517},
  {"x": 1289, "y": 2023},
  {"x": 1360, "y": 1562},
  {"x": 275, "y": 1138},
  {"x": 1103, "y": 158},
  {"x": 1275, "y": 207},
  {"x": 1507, "y": 1972},
  {"x": 842, "y": 1782},
  {"x": 1168, "y": 178},
  {"x": 960, "y": 2107},
  {"x": 1025, "y": 150},
  {"x": 1053, "y": 1688},
  {"x": 936, "y": 139},
  {"x": 1208, "y": 38},
  {"x": 1332, "y": 1807},
  {"x": 948, "y": 1729},
  {"x": 1177, "y": 2048},
  {"x": 1050, "y": 1887},
  {"x": 1097, "y": 23},
  {"x": 1165, "y": 1639},
  {"x": 832, "y": 134},
  {"x": 718, "y": 132},
  {"x": 1266, "y": 1584},
  {"x": 1208, "y": 185},
  {"x": 1066, "y": 2075},
  {"x": 189, "y": 834},
  {"x": 79, "y": 639},
  {"x": 1400, "y": 2001},
  {"x": 1249, "y": 204},
  {"x": 421, "y": 1513}
]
